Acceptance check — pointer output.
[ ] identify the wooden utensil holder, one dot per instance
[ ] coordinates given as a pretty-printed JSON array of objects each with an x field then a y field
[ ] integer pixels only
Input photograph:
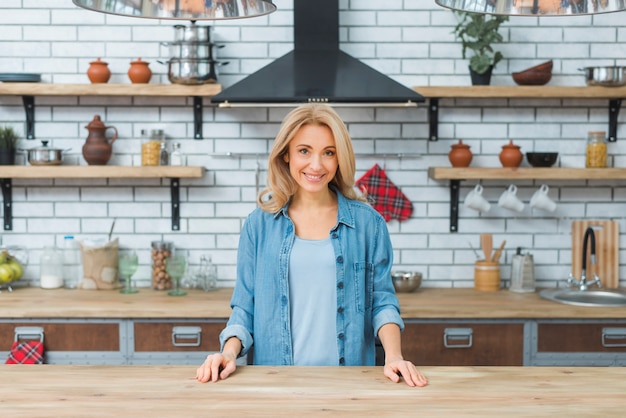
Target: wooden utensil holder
[{"x": 487, "y": 276}]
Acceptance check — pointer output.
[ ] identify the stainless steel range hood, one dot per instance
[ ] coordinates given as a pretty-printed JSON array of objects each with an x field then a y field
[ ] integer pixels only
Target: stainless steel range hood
[{"x": 317, "y": 70}]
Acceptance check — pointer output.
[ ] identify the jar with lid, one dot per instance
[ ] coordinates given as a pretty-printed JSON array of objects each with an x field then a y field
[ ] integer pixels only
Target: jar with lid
[
  {"x": 160, "y": 251},
  {"x": 151, "y": 147},
  {"x": 176, "y": 156},
  {"x": 596, "y": 149},
  {"x": 51, "y": 268},
  {"x": 460, "y": 154}
]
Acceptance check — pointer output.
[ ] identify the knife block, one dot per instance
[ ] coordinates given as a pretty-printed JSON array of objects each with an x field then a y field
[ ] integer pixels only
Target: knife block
[{"x": 487, "y": 276}]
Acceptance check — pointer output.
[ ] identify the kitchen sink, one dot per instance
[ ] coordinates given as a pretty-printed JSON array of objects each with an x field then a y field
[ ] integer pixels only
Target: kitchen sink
[{"x": 594, "y": 297}]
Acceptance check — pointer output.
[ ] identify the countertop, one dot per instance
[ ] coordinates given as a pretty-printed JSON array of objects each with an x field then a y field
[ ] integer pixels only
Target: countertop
[
  {"x": 425, "y": 303},
  {"x": 172, "y": 391}
]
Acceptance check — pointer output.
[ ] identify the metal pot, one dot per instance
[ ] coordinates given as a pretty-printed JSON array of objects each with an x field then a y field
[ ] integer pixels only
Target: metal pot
[
  {"x": 406, "y": 281},
  {"x": 45, "y": 155},
  {"x": 193, "y": 50},
  {"x": 193, "y": 71},
  {"x": 192, "y": 33},
  {"x": 605, "y": 76}
]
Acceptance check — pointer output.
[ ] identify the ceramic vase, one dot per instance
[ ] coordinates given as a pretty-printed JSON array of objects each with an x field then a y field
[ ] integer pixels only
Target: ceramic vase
[
  {"x": 511, "y": 156},
  {"x": 98, "y": 71},
  {"x": 98, "y": 148},
  {"x": 139, "y": 72},
  {"x": 460, "y": 155}
]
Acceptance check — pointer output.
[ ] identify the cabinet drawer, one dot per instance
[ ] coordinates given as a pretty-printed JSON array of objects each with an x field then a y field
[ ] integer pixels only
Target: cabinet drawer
[
  {"x": 463, "y": 344},
  {"x": 68, "y": 336},
  {"x": 581, "y": 338},
  {"x": 177, "y": 336}
]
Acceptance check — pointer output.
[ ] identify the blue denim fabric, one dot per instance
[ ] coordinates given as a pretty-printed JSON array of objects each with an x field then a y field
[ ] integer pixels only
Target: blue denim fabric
[{"x": 366, "y": 299}]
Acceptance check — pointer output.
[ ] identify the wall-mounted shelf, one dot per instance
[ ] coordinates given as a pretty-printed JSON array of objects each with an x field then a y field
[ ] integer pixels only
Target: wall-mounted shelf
[
  {"x": 456, "y": 175},
  {"x": 434, "y": 93},
  {"x": 28, "y": 91},
  {"x": 174, "y": 173}
]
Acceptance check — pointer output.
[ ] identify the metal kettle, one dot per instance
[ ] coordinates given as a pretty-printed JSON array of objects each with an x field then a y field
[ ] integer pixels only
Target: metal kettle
[{"x": 522, "y": 272}]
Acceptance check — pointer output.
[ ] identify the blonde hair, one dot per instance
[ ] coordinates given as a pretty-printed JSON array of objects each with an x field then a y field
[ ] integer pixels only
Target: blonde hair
[{"x": 281, "y": 185}]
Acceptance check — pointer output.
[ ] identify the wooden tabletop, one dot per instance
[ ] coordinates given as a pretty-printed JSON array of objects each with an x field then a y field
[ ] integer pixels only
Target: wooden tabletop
[
  {"x": 172, "y": 391},
  {"x": 426, "y": 303}
]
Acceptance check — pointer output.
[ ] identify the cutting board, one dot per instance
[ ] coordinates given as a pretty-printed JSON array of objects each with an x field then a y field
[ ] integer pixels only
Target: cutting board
[{"x": 607, "y": 251}]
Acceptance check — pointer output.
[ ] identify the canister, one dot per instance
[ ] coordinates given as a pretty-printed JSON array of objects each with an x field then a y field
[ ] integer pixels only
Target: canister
[
  {"x": 51, "y": 268},
  {"x": 487, "y": 276},
  {"x": 596, "y": 150},
  {"x": 160, "y": 251}
]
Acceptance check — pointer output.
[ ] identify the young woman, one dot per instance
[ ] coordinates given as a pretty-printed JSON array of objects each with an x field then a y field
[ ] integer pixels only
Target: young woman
[{"x": 314, "y": 263}]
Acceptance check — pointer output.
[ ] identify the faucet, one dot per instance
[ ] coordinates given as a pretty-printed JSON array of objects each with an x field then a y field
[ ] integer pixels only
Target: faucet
[{"x": 582, "y": 284}]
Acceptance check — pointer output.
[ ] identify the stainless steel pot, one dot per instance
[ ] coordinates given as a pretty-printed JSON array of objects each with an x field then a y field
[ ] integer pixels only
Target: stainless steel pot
[
  {"x": 193, "y": 50},
  {"x": 193, "y": 71},
  {"x": 605, "y": 76},
  {"x": 44, "y": 155},
  {"x": 193, "y": 33}
]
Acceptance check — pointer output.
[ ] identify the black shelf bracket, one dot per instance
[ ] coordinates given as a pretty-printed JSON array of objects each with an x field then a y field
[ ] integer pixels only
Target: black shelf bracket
[
  {"x": 455, "y": 186},
  {"x": 7, "y": 195},
  {"x": 175, "y": 197},
  {"x": 197, "y": 117},
  {"x": 29, "y": 107},
  {"x": 614, "y": 106},
  {"x": 433, "y": 119}
]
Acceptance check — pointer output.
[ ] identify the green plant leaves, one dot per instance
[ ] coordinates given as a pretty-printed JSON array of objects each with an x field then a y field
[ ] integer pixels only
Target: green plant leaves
[{"x": 477, "y": 33}]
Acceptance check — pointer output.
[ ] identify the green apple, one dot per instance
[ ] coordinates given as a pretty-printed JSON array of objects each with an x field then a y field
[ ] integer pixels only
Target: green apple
[
  {"x": 17, "y": 268},
  {"x": 6, "y": 273}
]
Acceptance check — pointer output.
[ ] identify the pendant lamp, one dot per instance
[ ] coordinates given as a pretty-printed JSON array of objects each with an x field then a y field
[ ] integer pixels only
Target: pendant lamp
[
  {"x": 181, "y": 9},
  {"x": 537, "y": 8}
]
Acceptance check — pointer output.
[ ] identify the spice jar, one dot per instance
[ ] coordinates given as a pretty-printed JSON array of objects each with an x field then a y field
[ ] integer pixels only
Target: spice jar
[
  {"x": 160, "y": 251},
  {"x": 460, "y": 155},
  {"x": 596, "y": 150},
  {"x": 151, "y": 148}
]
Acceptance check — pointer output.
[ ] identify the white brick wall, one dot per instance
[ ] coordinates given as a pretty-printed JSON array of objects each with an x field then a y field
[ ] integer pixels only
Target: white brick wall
[{"x": 411, "y": 41}]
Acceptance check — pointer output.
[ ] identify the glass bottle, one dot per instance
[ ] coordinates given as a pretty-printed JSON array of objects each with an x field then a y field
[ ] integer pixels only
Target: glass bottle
[
  {"x": 596, "y": 149},
  {"x": 164, "y": 155},
  {"x": 51, "y": 268},
  {"x": 176, "y": 156},
  {"x": 72, "y": 269}
]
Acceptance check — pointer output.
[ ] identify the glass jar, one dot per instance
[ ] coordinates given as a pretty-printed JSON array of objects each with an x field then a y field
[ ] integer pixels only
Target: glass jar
[
  {"x": 176, "y": 156},
  {"x": 51, "y": 268},
  {"x": 160, "y": 251},
  {"x": 151, "y": 147},
  {"x": 596, "y": 150}
]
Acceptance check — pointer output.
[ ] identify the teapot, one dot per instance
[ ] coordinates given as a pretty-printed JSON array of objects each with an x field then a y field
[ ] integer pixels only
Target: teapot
[{"x": 97, "y": 149}]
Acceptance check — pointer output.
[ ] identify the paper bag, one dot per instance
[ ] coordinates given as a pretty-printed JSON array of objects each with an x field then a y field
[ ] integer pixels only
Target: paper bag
[{"x": 100, "y": 265}]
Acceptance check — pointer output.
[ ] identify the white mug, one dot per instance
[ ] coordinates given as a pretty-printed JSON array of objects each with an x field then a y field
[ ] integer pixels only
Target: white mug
[
  {"x": 509, "y": 199},
  {"x": 475, "y": 200},
  {"x": 541, "y": 200}
]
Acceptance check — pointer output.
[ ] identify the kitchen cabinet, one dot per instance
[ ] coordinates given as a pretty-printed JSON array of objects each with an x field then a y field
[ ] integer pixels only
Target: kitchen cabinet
[
  {"x": 456, "y": 175},
  {"x": 174, "y": 173},
  {"x": 453, "y": 343}
]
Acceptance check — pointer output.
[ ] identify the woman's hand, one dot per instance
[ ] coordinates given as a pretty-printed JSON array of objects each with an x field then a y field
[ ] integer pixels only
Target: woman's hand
[
  {"x": 216, "y": 366},
  {"x": 395, "y": 368}
]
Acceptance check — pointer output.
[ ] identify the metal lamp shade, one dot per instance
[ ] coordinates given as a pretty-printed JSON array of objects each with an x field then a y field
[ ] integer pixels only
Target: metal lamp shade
[{"x": 537, "y": 8}]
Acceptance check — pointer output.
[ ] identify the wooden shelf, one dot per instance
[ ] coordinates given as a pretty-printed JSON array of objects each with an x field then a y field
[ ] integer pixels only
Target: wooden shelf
[
  {"x": 175, "y": 173},
  {"x": 43, "y": 89},
  {"x": 512, "y": 92},
  {"x": 526, "y": 173},
  {"x": 99, "y": 171}
]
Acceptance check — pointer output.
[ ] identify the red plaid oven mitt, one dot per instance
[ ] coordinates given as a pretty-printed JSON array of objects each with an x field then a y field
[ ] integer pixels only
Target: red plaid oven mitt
[
  {"x": 384, "y": 196},
  {"x": 26, "y": 352}
]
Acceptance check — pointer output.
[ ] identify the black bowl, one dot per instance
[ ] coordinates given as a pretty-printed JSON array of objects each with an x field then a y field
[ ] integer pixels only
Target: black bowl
[{"x": 542, "y": 159}]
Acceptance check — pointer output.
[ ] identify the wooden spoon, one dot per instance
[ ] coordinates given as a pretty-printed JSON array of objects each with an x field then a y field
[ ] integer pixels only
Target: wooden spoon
[
  {"x": 498, "y": 252},
  {"x": 486, "y": 243}
]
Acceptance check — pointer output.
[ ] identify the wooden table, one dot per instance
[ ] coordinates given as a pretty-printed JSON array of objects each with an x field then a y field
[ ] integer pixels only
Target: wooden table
[{"x": 171, "y": 391}]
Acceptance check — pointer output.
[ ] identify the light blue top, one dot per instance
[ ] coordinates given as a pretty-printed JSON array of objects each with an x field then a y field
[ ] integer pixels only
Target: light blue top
[
  {"x": 312, "y": 303},
  {"x": 365, "y": 296}
]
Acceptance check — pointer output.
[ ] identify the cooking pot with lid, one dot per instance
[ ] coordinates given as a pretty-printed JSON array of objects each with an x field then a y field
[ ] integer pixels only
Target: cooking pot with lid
[
  {"x": 193, "y": 71},
  {"x": 614, "y": 76},
  {"x": 194, "y": 50},
  {"x": 45, "y": 155},
  {"x": 193, "y": 33}
]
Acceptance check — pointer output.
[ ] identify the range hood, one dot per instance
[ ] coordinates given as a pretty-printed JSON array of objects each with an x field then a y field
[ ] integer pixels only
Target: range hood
[{"x": 317, "y": 70}]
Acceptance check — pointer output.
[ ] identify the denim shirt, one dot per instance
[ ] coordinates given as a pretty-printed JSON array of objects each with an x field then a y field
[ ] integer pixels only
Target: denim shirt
[{"x": 366, "y": 298}]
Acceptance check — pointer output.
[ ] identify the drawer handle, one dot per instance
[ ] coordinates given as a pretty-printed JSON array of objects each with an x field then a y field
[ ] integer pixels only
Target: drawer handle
[
  {"x": 186, "y": 333},
  {"x": 29, "y": 333},
  {"x": 457, "y": 337},
  {"x": 613, "y": 334}
]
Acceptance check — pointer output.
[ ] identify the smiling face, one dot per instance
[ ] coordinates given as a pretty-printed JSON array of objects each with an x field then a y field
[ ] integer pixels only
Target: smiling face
[{"x": 312, "y": 158}]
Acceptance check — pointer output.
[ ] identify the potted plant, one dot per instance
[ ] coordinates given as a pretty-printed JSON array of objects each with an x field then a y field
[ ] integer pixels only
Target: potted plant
[
  {"x": 477, "y": 32},
  {"x": 8, "y": 145}
]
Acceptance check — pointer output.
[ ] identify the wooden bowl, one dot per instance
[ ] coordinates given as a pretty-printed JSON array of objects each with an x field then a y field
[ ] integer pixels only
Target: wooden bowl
[
  {"x": 544, "y": 67},
  {"x": 532, "y": 78}
]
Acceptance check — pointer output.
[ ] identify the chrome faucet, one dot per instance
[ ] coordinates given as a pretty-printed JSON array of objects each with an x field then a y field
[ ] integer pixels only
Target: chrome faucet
[{"x": 583, "y": 284}]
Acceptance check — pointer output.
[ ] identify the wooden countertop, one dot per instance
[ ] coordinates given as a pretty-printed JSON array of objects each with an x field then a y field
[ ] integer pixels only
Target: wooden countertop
[
  {"x": 171, "y": 391},
  {"x": 426, "y": 303}
]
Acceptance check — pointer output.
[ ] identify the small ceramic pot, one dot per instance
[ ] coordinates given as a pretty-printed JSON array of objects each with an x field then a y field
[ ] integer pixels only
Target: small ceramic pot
[
  {"x": 460, "y": 155},
  {"x": 139, "y": 72},
  {"x": 511, "y": 156},
  {"x": 98, "y": 71}
]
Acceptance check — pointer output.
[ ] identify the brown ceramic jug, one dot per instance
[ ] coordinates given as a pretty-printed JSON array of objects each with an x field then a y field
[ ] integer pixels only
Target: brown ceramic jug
[
  {"x": 97, "y": 149},
  {"x": 98, "y": 71},
  {"x": 511, "y": 156},
  {"x": 139, "y": 71},
  {"x": 460, "y": 155}
]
